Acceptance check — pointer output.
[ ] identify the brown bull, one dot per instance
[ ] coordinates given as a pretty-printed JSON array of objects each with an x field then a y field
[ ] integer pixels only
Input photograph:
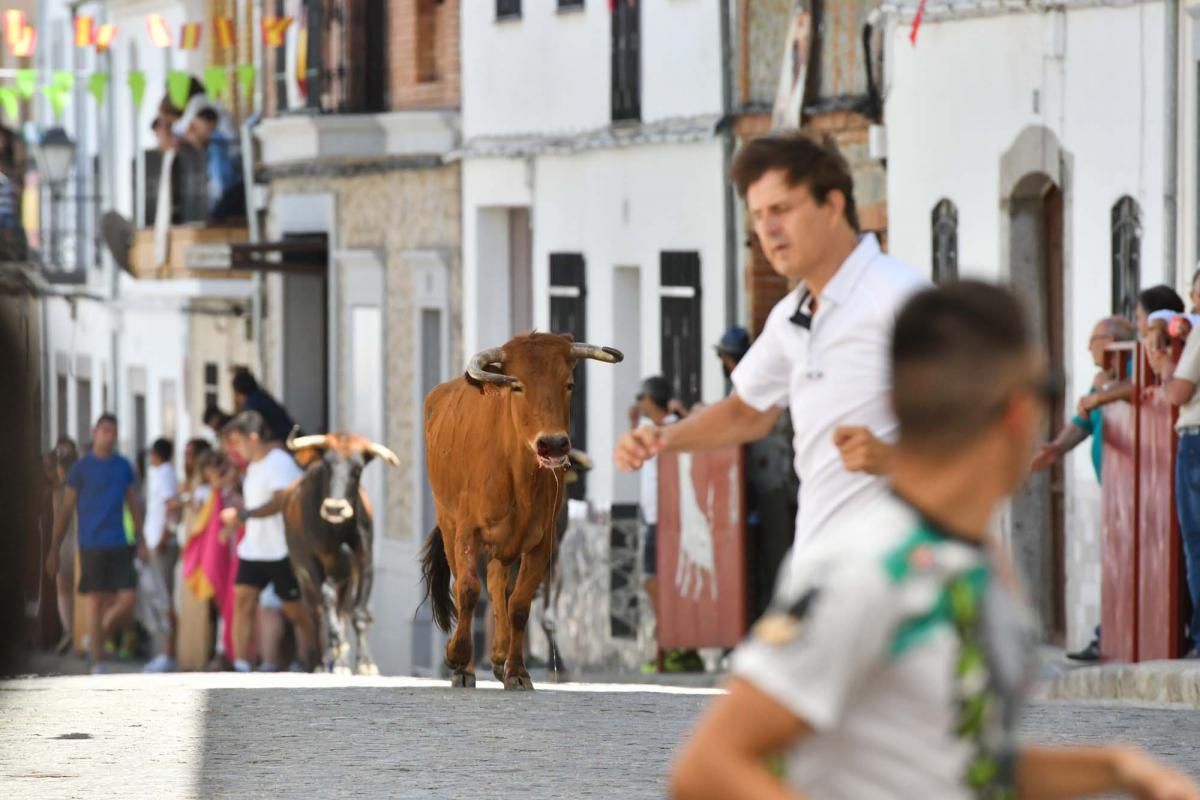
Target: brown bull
[
  {"x": 496, "y": 445},
  {"x": 331, "y": 538}
]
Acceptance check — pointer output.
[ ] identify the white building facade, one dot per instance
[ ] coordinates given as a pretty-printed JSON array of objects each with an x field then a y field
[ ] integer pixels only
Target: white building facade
[
  {"x": 595, "y": 199},
  {"x": 1026, "y": 144}
]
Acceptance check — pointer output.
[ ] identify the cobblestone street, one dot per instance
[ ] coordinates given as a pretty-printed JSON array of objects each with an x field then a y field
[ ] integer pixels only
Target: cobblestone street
[{"x": 225, "y": 735}]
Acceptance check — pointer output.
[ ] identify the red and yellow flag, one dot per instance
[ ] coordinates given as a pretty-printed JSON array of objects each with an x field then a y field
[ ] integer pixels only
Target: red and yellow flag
[
  {"x": 226, "y": 33},
  {"x": 21, "y": 36},
  {"x": 189, "y": 36},
  {"x": 85, "y": 31},
  {"x": 156, "y": 25},
  {"x": 274, "y": 30},
  {"x": 105, "y": 35},
  {"x": 302, "y": 59}
]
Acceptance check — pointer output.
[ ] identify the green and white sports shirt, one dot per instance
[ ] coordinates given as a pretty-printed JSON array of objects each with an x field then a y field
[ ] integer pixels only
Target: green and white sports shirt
[{"x": 896, "y": 643}]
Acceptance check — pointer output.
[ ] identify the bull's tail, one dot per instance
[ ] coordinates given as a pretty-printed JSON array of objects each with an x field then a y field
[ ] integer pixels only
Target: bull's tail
[{"x": 435, "y": 574}]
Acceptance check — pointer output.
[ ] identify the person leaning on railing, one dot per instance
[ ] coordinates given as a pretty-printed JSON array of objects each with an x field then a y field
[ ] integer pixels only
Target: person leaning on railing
[{"x": 1179, "y": 382}]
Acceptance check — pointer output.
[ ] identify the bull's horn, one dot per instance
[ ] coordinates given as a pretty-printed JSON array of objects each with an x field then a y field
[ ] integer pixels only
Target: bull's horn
[
  {"x": 295, "y": 442},
  {"x": 387, "y": 455},
  {"x": 609, "y": 355},
  {"x": 477, "y": 371}
]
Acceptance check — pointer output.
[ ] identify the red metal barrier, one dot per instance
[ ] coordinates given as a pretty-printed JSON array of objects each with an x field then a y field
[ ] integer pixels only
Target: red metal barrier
[
  {"x": 1142, "y": 591},
  {"x": 701, "y": 549}
]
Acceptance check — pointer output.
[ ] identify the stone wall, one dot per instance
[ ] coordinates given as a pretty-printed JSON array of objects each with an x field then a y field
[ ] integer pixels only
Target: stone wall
[{"x": 392, "y": 212}]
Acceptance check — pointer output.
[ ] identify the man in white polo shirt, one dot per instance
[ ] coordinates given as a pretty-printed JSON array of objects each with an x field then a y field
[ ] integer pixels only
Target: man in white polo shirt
[{"x": 824, "y": 349}]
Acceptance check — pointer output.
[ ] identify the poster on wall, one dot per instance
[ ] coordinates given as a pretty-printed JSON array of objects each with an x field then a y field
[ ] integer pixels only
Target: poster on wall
[{"x": 793, "y": 74}]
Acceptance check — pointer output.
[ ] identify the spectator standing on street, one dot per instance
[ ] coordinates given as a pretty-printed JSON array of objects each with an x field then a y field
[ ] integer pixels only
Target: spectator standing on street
[
  {"x": 249, "y": 396},
  {"x": 99, "y": 485},
  {"x": 161, "y": 490},
  {"x": 1107, "y": 331},
  {"x": 64, "y": 457},
  {"x": 263, "y": 551},
  {"x": 895, "y": 665}
]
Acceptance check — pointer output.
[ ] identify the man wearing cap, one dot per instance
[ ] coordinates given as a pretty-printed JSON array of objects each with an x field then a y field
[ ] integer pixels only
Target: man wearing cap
[{"x": 824, "y": 348}]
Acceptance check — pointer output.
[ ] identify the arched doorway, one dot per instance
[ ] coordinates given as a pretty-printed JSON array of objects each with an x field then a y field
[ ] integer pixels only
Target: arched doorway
[{"x": 1035, "y": 249}]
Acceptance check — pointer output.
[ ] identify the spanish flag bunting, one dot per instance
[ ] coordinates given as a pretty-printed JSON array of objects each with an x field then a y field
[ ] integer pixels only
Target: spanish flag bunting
[
  {"x": 85, "y": 31},
  {"x": 226, "y": 33},
  {"x": 274, "y": 30},
  {"x": 156, "y": 25},
  {"x": 189, "y": 36},
  {"x": 302, "y": 59},
  {"x": 104, "y": 37},
  {"x": 21, "y": 36},
  {"x": 24, "y": 46}
]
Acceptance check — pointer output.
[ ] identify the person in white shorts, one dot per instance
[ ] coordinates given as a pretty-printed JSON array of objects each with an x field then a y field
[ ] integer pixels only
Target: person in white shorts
[{"x": 895, "y": 666}]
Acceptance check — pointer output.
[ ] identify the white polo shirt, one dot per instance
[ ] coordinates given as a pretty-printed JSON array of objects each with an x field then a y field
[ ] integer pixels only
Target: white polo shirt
[{"x": 834, "y": 372}]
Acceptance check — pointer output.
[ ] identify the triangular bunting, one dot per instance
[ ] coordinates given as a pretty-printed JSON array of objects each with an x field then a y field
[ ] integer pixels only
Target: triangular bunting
[
  {"x": 98, "y": 85},
  {"x": 178, "y": 83},
  {"x": 247, "y": 73},
  {"x": 26, "y": 82},
  {"x": 8, "y": 99},
  {"x": 137, "y": 87},
  {"x": 216, "y": 83}
]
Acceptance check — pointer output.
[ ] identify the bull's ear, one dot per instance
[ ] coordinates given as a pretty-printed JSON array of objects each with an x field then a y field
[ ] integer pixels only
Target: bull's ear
[{"x": 306, "y": 456}]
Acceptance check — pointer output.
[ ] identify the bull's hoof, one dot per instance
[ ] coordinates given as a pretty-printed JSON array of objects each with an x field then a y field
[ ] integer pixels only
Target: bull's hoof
[
  {"x": 368, "y": 669},
  {"x": 498, "y": 670},
  {"x": 462, "y": 680},
  {"x": 519, "y": 683}
]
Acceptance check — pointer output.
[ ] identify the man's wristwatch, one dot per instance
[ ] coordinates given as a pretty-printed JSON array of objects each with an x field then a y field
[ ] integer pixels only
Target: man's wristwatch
[{"x": 243, "y": 514}]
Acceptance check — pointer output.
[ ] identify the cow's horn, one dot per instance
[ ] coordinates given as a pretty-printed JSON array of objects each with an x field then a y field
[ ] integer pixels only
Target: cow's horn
[
  {"x": 387, "y": 455},
  {"x": 477, "y": 368},
  {"x": 295, "y": 442},
  {"x": 609, "y": 355}
]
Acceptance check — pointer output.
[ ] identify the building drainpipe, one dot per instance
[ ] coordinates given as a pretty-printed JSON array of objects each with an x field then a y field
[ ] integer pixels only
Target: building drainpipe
[
  {"x": 1171, "y": 146},
  {"x": 728, "y": 143}
]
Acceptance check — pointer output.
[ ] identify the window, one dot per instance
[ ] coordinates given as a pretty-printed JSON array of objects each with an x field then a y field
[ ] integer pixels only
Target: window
[
  {"x": 60, "y": 398},
  {"x": 427, "y": 41},
  {"x": 566, "y": 4},
  {"x": 1126, "y": 256},
  {"x": 83, "y": 408},
  {"x": 508, "y": 9},
  {"x": 211, "y": 384},
  {"x": 568, "y": 314},
  {"x": 680, "y": 303},
  {"x": 626, "y": 62},
  {"x": 945, "y": 242}
]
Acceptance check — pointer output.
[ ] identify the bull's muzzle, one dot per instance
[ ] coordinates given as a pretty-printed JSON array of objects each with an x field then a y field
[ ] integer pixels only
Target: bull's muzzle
[
  {"x": 336, "y": 511},
  {"x": 553, "y": 452}
]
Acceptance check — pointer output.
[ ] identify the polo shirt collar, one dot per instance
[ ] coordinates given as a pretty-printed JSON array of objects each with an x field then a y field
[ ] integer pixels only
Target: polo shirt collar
[{"x": 842, "y": 285}]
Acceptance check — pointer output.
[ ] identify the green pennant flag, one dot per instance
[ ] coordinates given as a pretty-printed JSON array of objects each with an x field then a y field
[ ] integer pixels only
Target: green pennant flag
[
  {"x": 178, "y": 83},
  {"x": 98, "y": 85},
  {"x": 58, "y": 98},
  {"x": 26, "y": 82},
  {"x": 246, "y": 75},
  {"x": 8, "y": 99},
  {"x": 137, "y": 87},
  {"x": 216, "y": 83},
  {"x": 64, "y": 80}
]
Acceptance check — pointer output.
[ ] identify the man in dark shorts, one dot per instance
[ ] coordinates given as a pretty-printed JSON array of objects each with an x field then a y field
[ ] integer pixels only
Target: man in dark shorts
[
  {"x": 100, "y": 485},
  {"x": 263, "y": 551}
]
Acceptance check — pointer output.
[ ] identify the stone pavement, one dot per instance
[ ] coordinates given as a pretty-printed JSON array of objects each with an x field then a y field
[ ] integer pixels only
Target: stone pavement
[{"x": 314, "y": 736}]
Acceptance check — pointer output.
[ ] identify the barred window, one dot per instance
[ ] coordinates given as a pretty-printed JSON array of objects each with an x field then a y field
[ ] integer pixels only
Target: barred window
[
  {"x": 1126, "y": 255},
  {"x": 945, "y": 242}
]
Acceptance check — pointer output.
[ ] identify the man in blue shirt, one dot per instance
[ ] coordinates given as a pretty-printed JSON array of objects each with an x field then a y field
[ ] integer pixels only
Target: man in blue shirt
[
  {"x": 1107, "y": 331},
  {"x": 99, "y": 485}
]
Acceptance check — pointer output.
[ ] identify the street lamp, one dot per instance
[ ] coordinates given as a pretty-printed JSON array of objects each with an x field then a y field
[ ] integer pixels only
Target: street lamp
[{"x": 55, "y": 152}]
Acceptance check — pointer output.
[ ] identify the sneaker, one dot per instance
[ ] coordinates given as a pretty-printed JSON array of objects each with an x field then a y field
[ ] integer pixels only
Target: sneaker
[
  {"x": 99, "y": 669},
  {"x": 242, "y": 665},
  {"x": 296, "y": 666},
  {"x": 1089, "y": 653},
  {"x": 160, "y": 663},
  {"x": 683, "y": 661},
  {"x": 267, "y": 668},
  {"x": 1193, "y": 654}
]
